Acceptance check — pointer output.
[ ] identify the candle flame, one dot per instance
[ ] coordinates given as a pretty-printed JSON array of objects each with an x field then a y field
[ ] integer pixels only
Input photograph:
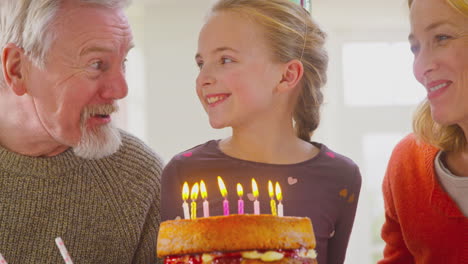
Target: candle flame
[
  {"x": 185, "y": 191},
  {"x": 194, "y": 192},
  {"x": 279, "y": 195},
  {"x": 270, "y": 189},
  {"x": 254, "y": 188},
  {"x": 240, "y": 190},
  {"x": 222, "y": 187},
  {"x": 204, "y": 193}
]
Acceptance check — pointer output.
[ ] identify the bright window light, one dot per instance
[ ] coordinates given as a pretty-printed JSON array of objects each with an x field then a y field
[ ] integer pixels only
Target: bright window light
[{"x": 379, "y": 74}]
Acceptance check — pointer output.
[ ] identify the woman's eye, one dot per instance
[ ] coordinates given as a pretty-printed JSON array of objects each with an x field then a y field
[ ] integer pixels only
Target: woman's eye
[
  {"x": 226, "y": 60},
  {"x": 442, "y": 37}
]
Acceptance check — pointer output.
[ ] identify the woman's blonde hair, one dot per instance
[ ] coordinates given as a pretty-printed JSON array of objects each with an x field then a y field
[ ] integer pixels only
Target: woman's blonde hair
[
  {"x": 447, "y": 138},
  {"x": 291, "y": 34}
]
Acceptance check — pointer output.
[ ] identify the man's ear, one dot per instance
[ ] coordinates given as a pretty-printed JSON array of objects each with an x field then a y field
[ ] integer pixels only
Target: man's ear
[
  {"x": 13, "y": 66},
  {"x": 292, "y": 74}
]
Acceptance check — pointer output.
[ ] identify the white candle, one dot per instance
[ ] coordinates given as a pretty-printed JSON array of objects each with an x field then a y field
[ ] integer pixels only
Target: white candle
[
  {"x": 255, "y": 194},
  {"x": 206, "y": 209},
  {"x": 185, "y": 196},
  {"x": 186, "y": 210},
  {"x": 279, "y": 196},
  {"x": 256, "y": 207},
  {"x": 63, "y": 250},
  {"x": 280, "y": 209},
  {"x": 204, "y": 195}
]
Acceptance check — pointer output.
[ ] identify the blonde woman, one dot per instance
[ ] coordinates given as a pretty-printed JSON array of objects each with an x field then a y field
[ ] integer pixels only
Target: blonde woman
[{"x": 426, "y": 184}]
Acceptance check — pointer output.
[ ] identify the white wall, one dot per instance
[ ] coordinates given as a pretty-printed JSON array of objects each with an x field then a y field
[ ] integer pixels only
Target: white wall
[{"x": 168, "y": 34}]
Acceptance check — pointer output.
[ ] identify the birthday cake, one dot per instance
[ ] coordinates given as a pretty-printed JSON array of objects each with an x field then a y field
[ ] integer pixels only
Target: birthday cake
[{"x": 243, "y": 239}]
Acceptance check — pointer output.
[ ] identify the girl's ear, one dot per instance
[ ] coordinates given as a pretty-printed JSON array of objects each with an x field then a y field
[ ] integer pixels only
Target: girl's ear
[
  {"x": 292, "y": 74},
  {"x": 13, "y": 66}
]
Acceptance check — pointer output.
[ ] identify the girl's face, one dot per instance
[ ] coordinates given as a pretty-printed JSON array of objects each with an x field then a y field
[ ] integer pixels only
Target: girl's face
[
  {"x": 237, "y": 79},
  {"x": 439, "y": 41}
]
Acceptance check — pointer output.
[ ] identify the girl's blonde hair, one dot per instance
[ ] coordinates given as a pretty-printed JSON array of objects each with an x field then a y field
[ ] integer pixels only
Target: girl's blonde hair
[
  {"x": 291, "y": 34},
  {"x": 447, "y": 138}
]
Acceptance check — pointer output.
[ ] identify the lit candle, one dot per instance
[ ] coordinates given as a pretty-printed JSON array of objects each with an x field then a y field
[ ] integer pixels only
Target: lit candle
[
  {"x": 194, "y": 196},
  {"x": 272, "y": 198},
  {"x": 279, "y": 197},
  {"x": 204, "y": 195},
  {"x": 255, "y": 194},
  {"x": 240, "y": 202},
  {"x": 185, "y": 195},
  {"x": 224, "y": 193}
]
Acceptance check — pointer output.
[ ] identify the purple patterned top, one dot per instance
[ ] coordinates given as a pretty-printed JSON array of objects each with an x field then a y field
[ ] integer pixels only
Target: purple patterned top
[{"x": 324, "y": 188}]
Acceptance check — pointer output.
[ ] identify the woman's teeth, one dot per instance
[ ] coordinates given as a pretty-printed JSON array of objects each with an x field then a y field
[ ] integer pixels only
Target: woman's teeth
[{"x": 437, "y": 87}]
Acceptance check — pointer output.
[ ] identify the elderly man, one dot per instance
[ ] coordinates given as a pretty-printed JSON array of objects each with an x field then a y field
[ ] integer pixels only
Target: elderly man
[{"x": 65, "y": 170}]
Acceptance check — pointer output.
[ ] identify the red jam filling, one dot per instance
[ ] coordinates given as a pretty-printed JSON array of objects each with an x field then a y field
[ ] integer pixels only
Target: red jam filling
[{"x": 229, "y": 257}]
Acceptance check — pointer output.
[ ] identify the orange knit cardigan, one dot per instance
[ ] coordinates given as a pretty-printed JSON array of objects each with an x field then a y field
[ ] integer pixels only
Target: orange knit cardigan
[{"x": 422, "y": 223}]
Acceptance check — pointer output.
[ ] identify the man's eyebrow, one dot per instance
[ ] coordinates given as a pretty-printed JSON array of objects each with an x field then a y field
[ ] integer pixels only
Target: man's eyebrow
[
  {"x": 102, "y": 49},
  {"x": 217, "y": 50}
]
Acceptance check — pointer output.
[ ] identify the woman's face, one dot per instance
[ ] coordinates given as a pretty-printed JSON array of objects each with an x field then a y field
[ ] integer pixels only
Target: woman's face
[{"x": 439, "y": 41}]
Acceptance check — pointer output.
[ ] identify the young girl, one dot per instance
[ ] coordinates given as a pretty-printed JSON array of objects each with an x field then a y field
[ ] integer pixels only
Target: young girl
[{"x": 262, "y": 65}]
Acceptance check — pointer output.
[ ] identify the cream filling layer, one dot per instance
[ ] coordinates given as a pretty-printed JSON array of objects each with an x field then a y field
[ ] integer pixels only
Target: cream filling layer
[{"x": 267, "y": 256}]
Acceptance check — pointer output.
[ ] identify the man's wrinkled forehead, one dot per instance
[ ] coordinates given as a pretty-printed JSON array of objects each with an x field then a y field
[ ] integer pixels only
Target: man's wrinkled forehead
[{"x": 82, "y": 24}]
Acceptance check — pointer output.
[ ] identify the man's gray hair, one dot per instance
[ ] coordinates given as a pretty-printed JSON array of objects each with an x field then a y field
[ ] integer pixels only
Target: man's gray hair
[{"x": 26, "y": 23}]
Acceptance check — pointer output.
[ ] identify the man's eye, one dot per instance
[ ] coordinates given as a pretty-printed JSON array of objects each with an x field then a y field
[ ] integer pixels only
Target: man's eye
[
  {"x": 200, "y": 64},
  {"x": 124, "y": 64},
  {"x": 97, "y": 65}
]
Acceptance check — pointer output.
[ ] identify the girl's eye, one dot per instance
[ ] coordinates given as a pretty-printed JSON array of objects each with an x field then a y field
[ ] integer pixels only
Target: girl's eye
[
  {"x": 226, "y": 60},
  {"x": 200, "y": 64},
  {"x": 414, "y": 49}
]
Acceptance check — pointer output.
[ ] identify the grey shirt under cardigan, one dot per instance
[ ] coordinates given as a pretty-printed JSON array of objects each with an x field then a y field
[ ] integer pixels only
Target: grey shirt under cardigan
[
  {"x": 325, "y": 189},
  {"x": 106, "y": 210},
  {"x": 455, "y": 186}
]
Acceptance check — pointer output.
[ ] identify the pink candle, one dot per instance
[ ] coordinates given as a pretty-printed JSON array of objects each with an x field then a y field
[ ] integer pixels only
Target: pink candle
[
  {"x": 255, "y": 194},
  {"x": 240, "y": 206},
  {"x": 240, "y": 202},
  {"x": 224, "y": 193},
  {"x": 226, "y": 207}
]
